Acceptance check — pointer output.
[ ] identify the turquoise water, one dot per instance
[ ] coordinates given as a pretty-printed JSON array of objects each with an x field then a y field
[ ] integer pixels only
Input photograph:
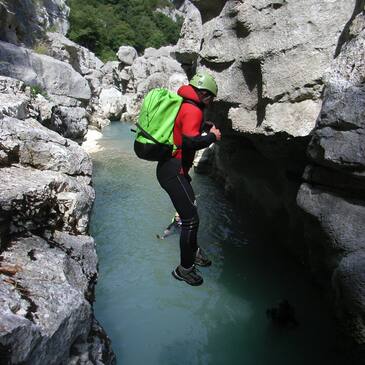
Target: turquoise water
[{"x": 152, "y": 318}]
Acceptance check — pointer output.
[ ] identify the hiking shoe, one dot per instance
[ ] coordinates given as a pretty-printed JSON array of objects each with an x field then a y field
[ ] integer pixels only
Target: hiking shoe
[
  {"x": 201, "y": 258},
  {"x": 190, "y": 275}
]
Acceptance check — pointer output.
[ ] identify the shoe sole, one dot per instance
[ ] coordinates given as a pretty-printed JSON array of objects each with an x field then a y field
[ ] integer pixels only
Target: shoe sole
[{"x": 178, "y": 277}]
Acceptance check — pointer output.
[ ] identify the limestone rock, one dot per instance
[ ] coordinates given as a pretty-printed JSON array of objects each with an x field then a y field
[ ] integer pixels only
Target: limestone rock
[
  {"x": 156, "y": 68},
  {"x": 334, "y": 193},
  {"x": 25, "y": 21},
  {"x": 296, "y": 119},
  {"x": 11, "y": 86},
  {"x": 349, "y": 283},
  {"x": 189, "y": 43},
  {"x": 209, "y": 9},
  {"x": 111, "y": 75},
  {"x": 111, "y": 103},
  {"x": 15, "y": 106},
  {"x": 69, "y": 122},
  {"x": 53, "y": 76},
  {"x": 280, "y": 55},
  {"x": 55, "y": 314},
  {"x": 42, "y": 109},
  {"x": 29, "y": 143},
  {"x": 33, "y": 199},
  {"x": 127, "y": 55},
  {"x": 80, "y": 58}
]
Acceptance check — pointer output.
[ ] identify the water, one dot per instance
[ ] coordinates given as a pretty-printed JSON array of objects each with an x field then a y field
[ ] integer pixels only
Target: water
[{"x": 152, "y": 318}]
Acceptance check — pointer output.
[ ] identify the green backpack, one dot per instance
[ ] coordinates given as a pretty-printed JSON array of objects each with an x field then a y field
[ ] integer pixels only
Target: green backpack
[{"x": 154, "y": 140}]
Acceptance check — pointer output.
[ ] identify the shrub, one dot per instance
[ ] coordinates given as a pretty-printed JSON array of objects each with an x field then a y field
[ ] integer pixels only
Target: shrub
[{"x": 104, "y": 25}]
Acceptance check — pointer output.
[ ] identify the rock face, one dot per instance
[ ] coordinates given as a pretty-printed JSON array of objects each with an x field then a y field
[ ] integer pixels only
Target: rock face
[
  {"x": 24, "y": 21},
  {"x": 53, "y": 76},
  {"x": 188, "y": 46},
  {"x": 334, "y": 193},
  {"x": 294, "y": 114},
  {"x": 48, "y": 262}
]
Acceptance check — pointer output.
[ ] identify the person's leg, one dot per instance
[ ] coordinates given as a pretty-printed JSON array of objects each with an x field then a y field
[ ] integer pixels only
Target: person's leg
[{"x": 183, "y": 198}]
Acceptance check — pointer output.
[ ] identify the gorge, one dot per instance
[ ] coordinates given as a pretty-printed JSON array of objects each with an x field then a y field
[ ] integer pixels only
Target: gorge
[{"x": 291, "y": 108}]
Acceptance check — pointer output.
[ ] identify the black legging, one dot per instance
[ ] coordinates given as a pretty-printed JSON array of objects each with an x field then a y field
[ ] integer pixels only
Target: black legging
[{"x": 183, "y": 198}]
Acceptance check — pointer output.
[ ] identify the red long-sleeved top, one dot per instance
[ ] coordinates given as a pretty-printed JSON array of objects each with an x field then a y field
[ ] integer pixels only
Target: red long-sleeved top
[{"x": 187, "y": 129}]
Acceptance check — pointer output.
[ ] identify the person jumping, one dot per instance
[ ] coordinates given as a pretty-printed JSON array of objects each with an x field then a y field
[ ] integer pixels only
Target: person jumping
[{"x": 173, "y": 173}]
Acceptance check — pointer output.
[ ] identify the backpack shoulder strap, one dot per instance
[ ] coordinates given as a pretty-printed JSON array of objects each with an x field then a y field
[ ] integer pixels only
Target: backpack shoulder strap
[{"x": 192, "y": 102}]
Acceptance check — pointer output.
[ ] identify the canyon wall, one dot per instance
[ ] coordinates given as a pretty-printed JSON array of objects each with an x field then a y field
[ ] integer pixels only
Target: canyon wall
[
  {"x": 291, "y": 110},
  {"x": 48, "y": 261}
]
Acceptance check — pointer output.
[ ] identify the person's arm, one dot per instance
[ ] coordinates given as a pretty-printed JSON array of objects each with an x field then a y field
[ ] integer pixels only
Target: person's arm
[
  {"x": 198, "y": 142},
  {"x": 191, "y": 136}
]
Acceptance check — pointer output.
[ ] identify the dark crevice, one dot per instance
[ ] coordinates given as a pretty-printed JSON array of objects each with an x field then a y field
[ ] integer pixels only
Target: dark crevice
[
  {"x": 209, "y": 9},
  {"x": 274, "y": 5},
  {"x": 342, "y": 189},
  {"x": 345, "y": 35},
  {"x": 242, "y": 30},
  {"x": 5, "y": 354},
  {"x": 339, "y": 126},
  {"x": 31, "y": 255},
  {"x": 90, "y": 294},
  {"x": 253, "y": 76},
  {"x": 218, "y": 67},
  {"x": 25, "y": 295}
]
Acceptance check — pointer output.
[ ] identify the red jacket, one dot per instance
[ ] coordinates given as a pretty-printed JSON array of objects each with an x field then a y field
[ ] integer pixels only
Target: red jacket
[{"x": 187, "y": 129}]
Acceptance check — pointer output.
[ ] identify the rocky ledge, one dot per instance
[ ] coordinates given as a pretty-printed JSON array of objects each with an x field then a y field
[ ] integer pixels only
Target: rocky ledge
[{"x": 48, "y": 263}]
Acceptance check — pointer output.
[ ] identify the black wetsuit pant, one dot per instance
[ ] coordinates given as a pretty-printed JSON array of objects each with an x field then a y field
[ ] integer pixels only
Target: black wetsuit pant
[{"x": 183, "y": 198}]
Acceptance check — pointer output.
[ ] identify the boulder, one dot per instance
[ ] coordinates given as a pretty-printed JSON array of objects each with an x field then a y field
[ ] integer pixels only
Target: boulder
[
  {"x": 15, "y": 106},
  {"x": 53, "y": 76},
  {"x": 189, "y": 43},
  {"x": 29, "y": 143},
  {"x": 80, "y": 58},
  {"x": 111, "y": 103},
  {"x": 69, "y": 122},
  {"x": 43, "y": 308},
  {"x": 127, "y": 55},
  {"x": 111, "y": 75},
  {"x": 156, "y": 68}
]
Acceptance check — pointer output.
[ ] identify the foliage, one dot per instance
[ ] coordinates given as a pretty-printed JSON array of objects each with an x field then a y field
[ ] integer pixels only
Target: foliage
[
  {"x": 40, "y": 47},
  {"x": 35, "y": 90},
  {"x": 104, "y": 25}
]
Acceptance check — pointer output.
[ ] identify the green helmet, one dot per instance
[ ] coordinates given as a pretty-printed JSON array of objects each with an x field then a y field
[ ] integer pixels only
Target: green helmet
[{"x": 203, "y": 80}]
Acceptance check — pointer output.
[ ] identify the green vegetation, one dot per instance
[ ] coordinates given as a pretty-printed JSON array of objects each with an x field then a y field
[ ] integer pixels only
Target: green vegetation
[
  {"x": 40, "y": 47},
  {"x": 104, "y": 25},
  {"x": 35, "y": 90}
]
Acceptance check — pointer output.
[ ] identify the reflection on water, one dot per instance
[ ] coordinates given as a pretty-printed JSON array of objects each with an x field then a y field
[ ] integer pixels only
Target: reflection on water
[{"x": 152, "y": 318}]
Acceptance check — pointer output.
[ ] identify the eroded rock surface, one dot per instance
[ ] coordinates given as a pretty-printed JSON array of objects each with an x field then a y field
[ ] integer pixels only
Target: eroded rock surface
[
  {"x": 292, "y": 87},
  {"x": 334, "y": 193},
  {"x": 24, "y": 21}
]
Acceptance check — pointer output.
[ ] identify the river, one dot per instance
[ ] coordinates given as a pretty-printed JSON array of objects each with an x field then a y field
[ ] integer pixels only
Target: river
[{"x": 154, "y": 319}]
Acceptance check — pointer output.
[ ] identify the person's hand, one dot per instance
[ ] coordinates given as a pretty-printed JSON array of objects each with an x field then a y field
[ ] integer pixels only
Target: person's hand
[{"x": 216, "y": 132}]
